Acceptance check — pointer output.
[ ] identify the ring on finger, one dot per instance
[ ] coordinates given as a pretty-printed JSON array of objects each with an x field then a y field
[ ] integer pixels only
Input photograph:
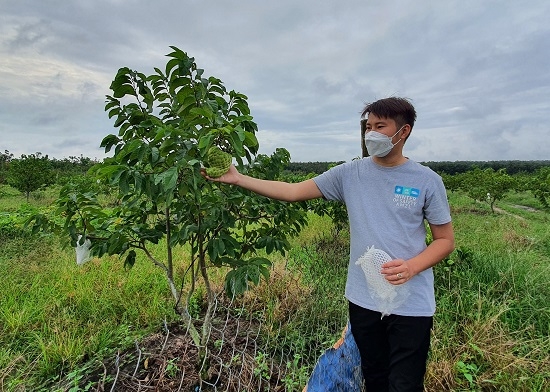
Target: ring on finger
[{"x": 400, "y": 275}]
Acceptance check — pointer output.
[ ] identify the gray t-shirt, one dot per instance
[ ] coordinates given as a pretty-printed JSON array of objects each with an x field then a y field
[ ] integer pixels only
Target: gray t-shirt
[{"x": 387, "y": 207}]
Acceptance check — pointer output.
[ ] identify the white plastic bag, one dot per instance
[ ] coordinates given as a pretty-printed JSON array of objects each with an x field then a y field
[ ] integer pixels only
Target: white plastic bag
[
  {"x": 83, "y": 253},
  {"x": 387, "y": 296}
]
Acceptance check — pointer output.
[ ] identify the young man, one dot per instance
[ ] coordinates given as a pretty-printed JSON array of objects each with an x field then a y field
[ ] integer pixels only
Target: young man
[{"x": 388, "y": 198}]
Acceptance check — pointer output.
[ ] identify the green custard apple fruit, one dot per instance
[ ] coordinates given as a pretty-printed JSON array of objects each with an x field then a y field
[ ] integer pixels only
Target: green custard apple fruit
[{"x": 218, "y": 162}]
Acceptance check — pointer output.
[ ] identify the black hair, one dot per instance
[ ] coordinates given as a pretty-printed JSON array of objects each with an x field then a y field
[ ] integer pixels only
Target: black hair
[{"x": 398, "y": 109}]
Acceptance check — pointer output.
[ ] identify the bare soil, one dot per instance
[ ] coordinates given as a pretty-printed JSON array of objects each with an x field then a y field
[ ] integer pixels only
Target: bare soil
[{"x": 168, "y": 361}]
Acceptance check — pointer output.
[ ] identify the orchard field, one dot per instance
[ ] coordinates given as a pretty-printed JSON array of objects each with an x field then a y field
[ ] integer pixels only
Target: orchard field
[
  {"x": 183, "y": 284},
  {"x": 101, "y": 326}
]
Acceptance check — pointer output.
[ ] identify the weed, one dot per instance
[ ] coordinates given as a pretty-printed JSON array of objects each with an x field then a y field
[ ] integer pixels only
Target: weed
[
  {"x": 469, "y": 372},
  {"x": 261, "y": 366},
  {"x": 296, "y": 375},
  {"x": 171, "y": 369},
  {"x": 196, "y": 303}
]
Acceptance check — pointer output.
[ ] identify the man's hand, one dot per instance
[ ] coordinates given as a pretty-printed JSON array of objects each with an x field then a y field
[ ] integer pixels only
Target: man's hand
[
  {"x": 231, "y": 177},
  {"x": 397, "y": 271}
]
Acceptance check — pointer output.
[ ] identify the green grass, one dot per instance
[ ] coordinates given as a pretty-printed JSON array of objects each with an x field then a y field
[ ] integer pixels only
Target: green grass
[
  {"x": 493, "y": 320},
  {"x": 54, "y": 313},
  {"x": 491, "y": 327},
  {"x": 525, "y": 199},
  {"x": 11, "y": 199}
]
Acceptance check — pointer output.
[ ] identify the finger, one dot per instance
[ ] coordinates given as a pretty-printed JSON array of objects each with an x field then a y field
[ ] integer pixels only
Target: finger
[
  {"x": 390, "y": 270},
  {"x": 395, "y": 275},
  {"x": 395, "y": 263},
  {"x": 396, "y": 279},
  {"x": 392, "y": 263}
]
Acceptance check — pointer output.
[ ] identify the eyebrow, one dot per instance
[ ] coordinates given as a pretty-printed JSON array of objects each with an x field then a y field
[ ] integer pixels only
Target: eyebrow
[{"x": 377, "y": 123}]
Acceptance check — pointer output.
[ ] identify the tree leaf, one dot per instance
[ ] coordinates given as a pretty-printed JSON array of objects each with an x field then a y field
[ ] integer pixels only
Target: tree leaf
[
  {"x": 130, "y": 259},
  {"x": 205, "y": 142},
  {"x": 168, "y": 179}
]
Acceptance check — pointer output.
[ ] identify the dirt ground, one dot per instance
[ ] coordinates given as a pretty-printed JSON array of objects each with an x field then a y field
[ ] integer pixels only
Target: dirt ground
[{"x": 167, "y": 361}]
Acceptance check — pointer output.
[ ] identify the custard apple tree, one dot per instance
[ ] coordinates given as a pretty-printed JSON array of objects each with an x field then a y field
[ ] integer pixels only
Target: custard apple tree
[
  {"x": 171, "y": 124},
  {"x": 488, "y": 185}
]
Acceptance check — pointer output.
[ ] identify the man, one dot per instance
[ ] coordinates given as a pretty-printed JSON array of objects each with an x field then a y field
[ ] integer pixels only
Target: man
[{"x": 388, "y": 198}]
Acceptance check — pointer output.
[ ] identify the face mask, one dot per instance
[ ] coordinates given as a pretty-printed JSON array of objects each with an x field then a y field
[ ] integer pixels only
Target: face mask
[{"x": 378, "y": 144}]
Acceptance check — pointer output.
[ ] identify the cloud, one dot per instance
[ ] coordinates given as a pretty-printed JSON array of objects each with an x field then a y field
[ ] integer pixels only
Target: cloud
[{"x": 476, "y": 71}]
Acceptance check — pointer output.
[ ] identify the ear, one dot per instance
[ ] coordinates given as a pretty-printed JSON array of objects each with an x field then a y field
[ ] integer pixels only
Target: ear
[{"x": 406, "y": 131}]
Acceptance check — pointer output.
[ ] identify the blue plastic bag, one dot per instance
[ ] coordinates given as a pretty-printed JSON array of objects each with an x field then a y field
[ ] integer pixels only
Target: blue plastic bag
[{"x": 339, "y": 368}]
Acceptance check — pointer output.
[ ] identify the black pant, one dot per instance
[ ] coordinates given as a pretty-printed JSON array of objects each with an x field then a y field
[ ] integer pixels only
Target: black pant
[{"x": 394, "y": 349}]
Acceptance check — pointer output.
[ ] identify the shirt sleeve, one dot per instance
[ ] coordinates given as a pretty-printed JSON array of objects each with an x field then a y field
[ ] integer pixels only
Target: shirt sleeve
[
  {"x": 436, "y": 207},
  {"x": 330, "y": 183}
]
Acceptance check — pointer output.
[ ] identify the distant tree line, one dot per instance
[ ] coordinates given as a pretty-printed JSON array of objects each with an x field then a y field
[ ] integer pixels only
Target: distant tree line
[
  {"x": 72, "y": 165},
  {"x": 511, "y": 167},
  {"x": 448, "y": 167},
  {"x": 35, "y": 171}
]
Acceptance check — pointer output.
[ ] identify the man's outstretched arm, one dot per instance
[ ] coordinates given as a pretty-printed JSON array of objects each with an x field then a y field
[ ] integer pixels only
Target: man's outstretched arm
[{"x": 279, "y": 190}]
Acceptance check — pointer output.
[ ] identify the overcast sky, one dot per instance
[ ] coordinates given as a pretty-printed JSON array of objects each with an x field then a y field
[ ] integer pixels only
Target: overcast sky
[{"x": 478, "y": 72}]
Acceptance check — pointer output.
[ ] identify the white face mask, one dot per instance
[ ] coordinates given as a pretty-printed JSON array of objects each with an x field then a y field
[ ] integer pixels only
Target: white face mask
[{"x": 378, "y": 144}]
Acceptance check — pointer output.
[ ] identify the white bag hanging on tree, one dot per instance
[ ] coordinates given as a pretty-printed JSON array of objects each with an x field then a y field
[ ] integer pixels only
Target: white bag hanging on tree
[
  {"x": 83, "y": 253},
  {"x": 387, "y": 296}
]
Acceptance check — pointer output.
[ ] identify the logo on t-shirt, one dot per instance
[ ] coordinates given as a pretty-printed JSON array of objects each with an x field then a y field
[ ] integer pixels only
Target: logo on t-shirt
[{"x": 405, "y": 196}]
